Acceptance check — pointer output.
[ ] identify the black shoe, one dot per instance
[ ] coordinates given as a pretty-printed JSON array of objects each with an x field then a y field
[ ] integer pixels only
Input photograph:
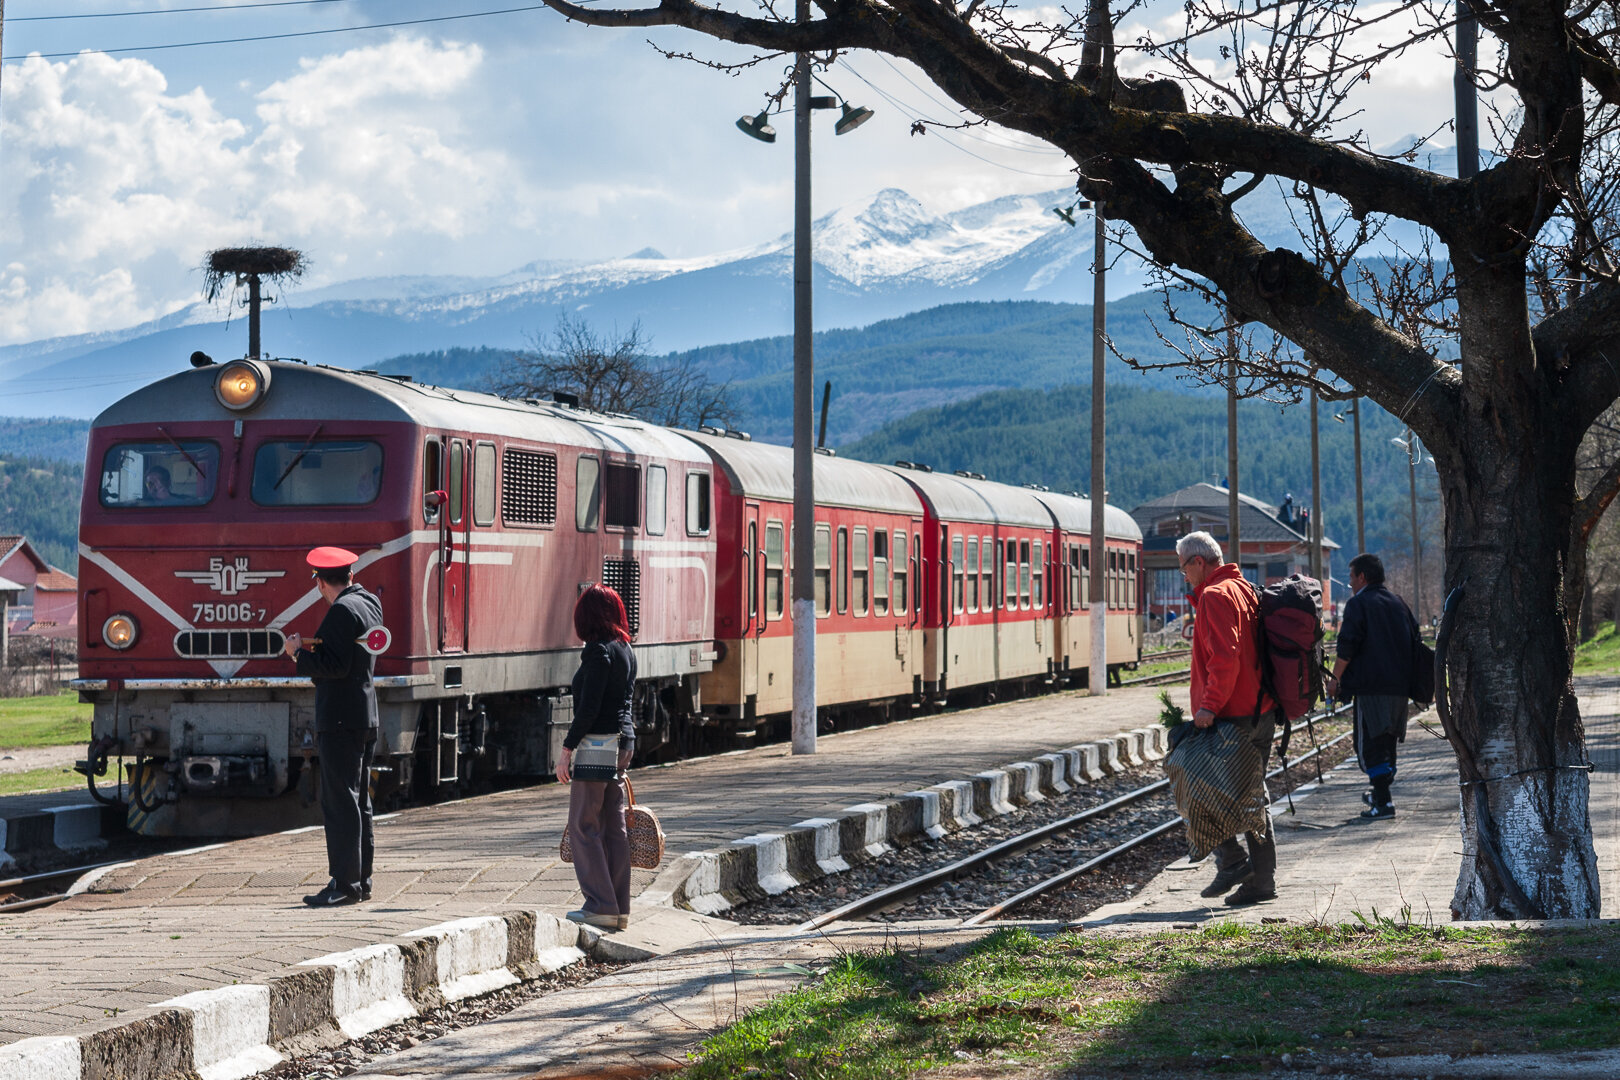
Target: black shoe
[
  {"x": 331, "y": 896},
  {"x": 1378, "y": 811},
  {"x": 365, "y": 892},
  {"x": 1252, "y": 892},
  {"x": 1225, "y": 879}
]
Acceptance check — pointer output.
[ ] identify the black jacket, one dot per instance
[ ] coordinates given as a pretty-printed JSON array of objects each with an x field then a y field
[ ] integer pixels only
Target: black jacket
[
  {"x": 602, "y": 688},
  {"x": 1376, "y": 637},
  {"x": 340, "y": 665}
]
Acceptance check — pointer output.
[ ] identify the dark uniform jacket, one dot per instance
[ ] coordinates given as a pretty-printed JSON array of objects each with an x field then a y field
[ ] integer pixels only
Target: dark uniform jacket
[
  {"x": 340, "y": 665},
  {"x": 602, "y": 689},
  {"x": 1376, "y": 638}
]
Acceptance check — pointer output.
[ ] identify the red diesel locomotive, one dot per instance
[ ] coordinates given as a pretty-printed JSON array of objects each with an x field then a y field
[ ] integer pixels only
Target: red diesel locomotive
[{"x": 478, "y": 519}]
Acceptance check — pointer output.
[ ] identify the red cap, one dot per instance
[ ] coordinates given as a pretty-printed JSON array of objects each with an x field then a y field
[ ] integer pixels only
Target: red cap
[{"x": 331, "y": 558}]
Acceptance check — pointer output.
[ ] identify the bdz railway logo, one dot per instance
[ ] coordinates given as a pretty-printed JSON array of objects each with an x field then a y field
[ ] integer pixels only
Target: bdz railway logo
[{"x": 229, "y": 578}]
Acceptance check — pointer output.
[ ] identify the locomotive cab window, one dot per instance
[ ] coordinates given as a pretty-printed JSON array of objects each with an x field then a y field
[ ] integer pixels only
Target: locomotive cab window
[
  {"x": 159, "y": 473},
  {"x": 697, "y": 504},
  {"x": 657, "y": 499},
  {"x": 297, "y": 472},
  {"x": 623, "y": 509},
  {"x": 587, "y": 493},
  {"x": 432, "y": 468}
]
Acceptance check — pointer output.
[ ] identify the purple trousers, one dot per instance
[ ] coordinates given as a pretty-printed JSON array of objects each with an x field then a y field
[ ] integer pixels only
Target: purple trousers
[{"x": 601, "y": 845}]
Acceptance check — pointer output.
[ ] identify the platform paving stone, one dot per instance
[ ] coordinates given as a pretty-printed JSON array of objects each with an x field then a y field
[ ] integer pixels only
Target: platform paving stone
[
  {"x": 1332, "y": 864},
  {"x": 430, "y": 859}
]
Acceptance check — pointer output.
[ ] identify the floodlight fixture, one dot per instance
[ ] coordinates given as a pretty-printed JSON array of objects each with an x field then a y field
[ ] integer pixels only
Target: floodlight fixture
[
  {"x": 852, "y": 119},
  {"x": 757, "y": 127}
]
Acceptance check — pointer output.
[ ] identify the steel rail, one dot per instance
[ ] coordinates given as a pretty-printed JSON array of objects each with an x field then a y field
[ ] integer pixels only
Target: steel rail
[
  {"x": 38, "y": 901},
  {"x": 71, "y": 871},
  {"x": 1163, "y": 676},
  {"x": 1066, "y": 876},
  {"x": 905, "y": 890}
]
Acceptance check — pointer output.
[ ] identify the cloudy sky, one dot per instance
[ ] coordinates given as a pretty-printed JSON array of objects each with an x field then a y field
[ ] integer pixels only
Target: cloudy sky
[{"x": 465, "y": 146}]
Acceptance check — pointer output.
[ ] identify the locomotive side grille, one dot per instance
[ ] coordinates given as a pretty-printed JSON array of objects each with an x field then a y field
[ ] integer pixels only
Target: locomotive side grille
[
  {"x": 228, "y": 644},
  {"x": 529, "y": 495},
  {"x": 623, "y": 576}
]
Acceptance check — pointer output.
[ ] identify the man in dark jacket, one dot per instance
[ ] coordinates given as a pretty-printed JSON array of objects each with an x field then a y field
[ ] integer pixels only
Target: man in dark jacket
[
  {"x": 345, "y": 722},
  {"x": 1376, "y": 640}
]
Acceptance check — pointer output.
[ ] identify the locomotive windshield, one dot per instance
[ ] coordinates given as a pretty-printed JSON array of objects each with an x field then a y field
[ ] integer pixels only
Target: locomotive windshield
[
  {"x": 299, "y": 472},
  {"x": 159, "y": 473}
]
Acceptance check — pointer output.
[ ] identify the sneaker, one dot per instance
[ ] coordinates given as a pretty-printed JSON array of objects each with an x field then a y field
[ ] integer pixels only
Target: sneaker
[
  {"x": 365, "y": 892},
  {"x": 331, "y": 896},
  {"x": 1377, "y": 811},
  {"x": 591, "y": 918},
  {"x": 1252, "y": 892},
  {"x": 1225, "y": 879}
]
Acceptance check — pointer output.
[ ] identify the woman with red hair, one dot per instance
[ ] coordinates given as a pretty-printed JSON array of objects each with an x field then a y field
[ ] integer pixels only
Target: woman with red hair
[{"x": 596, "y": 751}]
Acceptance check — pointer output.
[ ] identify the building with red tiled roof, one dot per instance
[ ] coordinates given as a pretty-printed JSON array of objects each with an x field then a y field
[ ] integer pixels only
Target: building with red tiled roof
[{"x": 41, "y": 600}]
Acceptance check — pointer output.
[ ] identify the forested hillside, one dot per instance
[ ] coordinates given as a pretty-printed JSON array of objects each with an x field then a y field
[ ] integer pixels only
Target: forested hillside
[
  {"x": 39, "y": 499},
  {"x": 1161, "y": 440},
  {"x": 59, "y": 438}
]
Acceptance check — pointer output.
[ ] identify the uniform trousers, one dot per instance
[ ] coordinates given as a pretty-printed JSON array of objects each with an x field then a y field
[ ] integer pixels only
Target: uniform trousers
[
  {"x": 1380, "y": 722},
  {"x": 1262, "y": 853},
  {"x": 345, "y": 755},
  {"x": 601, "y": 845}
]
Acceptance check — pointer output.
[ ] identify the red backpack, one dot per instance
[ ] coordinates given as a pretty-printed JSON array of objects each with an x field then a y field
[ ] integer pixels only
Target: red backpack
[{"x": 1292, "y": 656}]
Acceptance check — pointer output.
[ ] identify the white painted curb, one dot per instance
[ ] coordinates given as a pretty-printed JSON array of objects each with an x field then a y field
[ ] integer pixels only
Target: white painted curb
[
  {"x": 230, "y": 1031},
  {"x": 368, "y": 988},
  {"x": 45, "y": 1057},
  {"x": 771, "y": 862},
  {"x": 471, "y": 955},
  {"x": 556, "y": 942}
]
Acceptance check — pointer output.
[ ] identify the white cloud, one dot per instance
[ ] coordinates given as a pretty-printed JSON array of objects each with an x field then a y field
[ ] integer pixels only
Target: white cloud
[{"x": 116, "y": 186}]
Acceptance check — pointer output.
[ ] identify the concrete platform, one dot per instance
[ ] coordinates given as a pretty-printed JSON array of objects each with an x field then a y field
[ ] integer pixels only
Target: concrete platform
[{"x": 146, "y": 933}]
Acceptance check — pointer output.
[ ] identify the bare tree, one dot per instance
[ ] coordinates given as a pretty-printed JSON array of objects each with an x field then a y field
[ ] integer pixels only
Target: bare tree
[
  {"x": 1171, "y": 133},
  {"x": 615, "y": 374}
]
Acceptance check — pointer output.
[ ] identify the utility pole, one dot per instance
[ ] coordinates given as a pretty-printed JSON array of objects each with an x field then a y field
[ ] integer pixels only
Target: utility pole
[
  {"x": 1467, "y": 98},
  {"x": 1413, "y": 452},
  {"x": 1361, "y": 515},
  {"x": 1234, "y": 535},
  {"x": 804, "y": 454},
  {"x": 1097, "y": 676},
  {"x": 1316, "y": 494}
]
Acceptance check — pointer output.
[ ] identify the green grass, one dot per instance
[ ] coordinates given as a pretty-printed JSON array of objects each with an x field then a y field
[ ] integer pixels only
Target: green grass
[
  {"x": 31, "y": 780},
  {"x": 1601, "y": 655},
  {"x": 1232, "y": 998},
  {"x": 54, "y": 720}
]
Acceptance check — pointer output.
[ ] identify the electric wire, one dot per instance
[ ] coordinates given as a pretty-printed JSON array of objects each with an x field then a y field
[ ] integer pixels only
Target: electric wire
[
  {"x": 172, "y": 11},
  {"x": 283, "y": 36}
]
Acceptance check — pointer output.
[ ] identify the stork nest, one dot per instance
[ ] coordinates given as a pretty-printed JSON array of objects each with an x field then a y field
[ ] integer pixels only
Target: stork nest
[{"x": 235, "y": 264}]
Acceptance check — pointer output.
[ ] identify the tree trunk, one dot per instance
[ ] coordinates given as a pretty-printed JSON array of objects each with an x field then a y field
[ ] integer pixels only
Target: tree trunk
[{"x": 1508, "y": 480}]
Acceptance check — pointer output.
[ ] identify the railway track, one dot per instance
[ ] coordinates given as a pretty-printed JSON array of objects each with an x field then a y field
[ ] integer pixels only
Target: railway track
[
  {"x": 1178, "y": 675},
  {"x": 35, "y": 882},
  {"x": 904, "y": 892}
]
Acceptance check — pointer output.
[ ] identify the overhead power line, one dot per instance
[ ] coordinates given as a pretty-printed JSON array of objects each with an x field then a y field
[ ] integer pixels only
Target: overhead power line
[
  {"x": 290, "y": 34},
  {"x": 172, "y": 11}
]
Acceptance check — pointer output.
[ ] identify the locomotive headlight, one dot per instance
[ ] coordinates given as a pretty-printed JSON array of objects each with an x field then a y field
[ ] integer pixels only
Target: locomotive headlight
[
  {"x": 120, "y": 631},
  {"x": 242, "y": 384}
]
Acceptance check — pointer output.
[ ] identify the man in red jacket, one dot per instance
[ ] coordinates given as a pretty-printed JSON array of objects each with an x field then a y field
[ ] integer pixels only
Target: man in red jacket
[{"x": 1226, "y": 687}]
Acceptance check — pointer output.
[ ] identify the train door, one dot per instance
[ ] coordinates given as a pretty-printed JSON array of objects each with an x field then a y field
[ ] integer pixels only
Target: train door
[
  {"x": 753, "y": 600},
  {"x": 453, "y": 546}
]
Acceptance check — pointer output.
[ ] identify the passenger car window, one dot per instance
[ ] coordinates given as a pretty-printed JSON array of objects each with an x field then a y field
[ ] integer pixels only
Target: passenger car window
[
  {"x": 773, "y": 569},
  {"x": 296, "y": 472},
  {"x": 159, "y": 473},
  {"x": 697, "y": 503},
  {"x": 823, "y": 582},
  {"x": 623, "y": 496},
  {"x": 902, "y": 570}
]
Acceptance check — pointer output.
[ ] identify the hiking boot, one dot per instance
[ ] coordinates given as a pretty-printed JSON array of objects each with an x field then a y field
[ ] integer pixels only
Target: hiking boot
[
  {"x": 1252, "y": 892},
  {"x": 1378, "y": 811},
  {"x": 1226, "y": 878}
]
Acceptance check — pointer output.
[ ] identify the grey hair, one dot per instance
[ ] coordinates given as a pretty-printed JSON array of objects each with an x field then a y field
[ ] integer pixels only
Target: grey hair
[{"x": 1195, "y": 544}]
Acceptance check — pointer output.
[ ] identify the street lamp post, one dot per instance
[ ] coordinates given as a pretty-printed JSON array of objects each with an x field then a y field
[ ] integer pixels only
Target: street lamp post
[
  {"x": 804, "y": 446},
  {"x": 1361, "y": 517}
]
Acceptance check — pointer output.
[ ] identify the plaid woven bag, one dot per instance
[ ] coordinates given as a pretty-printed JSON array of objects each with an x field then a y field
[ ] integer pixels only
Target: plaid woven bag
[{"x": 1217, "y": 777}]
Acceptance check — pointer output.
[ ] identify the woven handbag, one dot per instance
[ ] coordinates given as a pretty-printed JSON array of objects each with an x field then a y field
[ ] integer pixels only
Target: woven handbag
[
  {"x": 1217, "y": 777},
  {"x": 646, "y": 835}
]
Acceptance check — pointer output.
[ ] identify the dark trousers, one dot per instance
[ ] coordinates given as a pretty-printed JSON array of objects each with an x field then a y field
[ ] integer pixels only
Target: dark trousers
[
  {"x": 601, "y": 845},
  {"x": 345, "y": 756},
  {"x": 1262, "y": 853},
  {"x": 1380, "y": 723}
]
